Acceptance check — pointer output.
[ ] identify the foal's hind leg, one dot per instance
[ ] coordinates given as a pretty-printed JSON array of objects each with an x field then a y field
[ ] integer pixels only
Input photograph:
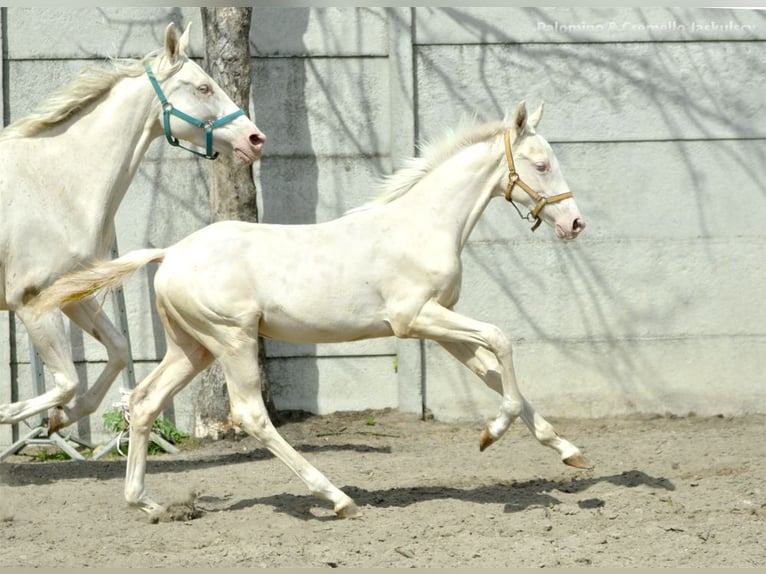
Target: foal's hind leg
[
  {"x": 183, "y": 359},
  {"x": 240, "y": 367},
  {"x": 89, "y": 316},
  {"x": 485, "y": 365},
  {"x": 49, "y": 337}
]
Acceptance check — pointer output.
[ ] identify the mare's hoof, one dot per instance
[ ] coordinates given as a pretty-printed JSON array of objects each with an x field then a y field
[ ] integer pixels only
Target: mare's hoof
[{"x": 57, "y": 419}]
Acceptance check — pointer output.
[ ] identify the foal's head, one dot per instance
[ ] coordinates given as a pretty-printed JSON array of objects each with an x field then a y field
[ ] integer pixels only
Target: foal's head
[{"x": 541, "y": 187}]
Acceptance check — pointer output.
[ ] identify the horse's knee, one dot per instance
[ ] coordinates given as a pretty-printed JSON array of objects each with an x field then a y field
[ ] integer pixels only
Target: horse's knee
[
  {"x": 119, "y": 352},
  {"x": 66, "y": 387},
  {"x": 252, "y": 420},
  {"x": 498, "y": 342}
]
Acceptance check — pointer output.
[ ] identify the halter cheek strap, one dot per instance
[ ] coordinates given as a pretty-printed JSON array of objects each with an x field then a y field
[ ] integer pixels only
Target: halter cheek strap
[
  {"x": 514, "y": 179},
  {"x": 208, "y": 126}
]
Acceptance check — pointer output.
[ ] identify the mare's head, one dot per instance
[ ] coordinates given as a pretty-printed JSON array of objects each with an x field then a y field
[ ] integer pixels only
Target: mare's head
[
  {"x": 540, "y": 186},
  {"x": 189, "y": 90}
]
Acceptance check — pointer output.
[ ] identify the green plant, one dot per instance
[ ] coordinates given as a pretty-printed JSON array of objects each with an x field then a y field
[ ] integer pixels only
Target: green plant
[
  {"x": 43, "y": 455},
  {"x": 167, "y": 430},
  {"x": 115, "y": 421}
]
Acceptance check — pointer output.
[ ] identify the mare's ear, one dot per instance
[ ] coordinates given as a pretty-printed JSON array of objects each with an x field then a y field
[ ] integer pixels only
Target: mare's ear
[
  {"x": 520, "y": 118},
  {"x": 175, "y": 46},
  {"x": 183, "y": 42},
  {"x": 535, "y": 118}
]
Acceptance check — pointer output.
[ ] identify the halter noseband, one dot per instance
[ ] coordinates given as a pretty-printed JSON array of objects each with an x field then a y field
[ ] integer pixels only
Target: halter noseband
[
  {"x": 208, "y": 126},
  {"x": 514, "y": 179}
]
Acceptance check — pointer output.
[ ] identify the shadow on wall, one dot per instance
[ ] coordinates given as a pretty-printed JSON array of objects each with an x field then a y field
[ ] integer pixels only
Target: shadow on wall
[
  {"x": 288, "y": 176},
  {"x": 654, "y": 100}
]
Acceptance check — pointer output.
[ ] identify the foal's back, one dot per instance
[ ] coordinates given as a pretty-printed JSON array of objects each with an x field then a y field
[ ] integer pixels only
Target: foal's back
[{"x": 298, "y": 283}]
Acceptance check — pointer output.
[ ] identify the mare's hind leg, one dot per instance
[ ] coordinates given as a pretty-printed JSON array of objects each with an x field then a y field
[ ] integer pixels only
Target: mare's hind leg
[
  {"x": 485, "y": 365},
  {"x": 240, "y": 367},
  {"x": 49, "y": 337},
  {"x": 183, "y": 359},
  {"x": 88, "y": 315}
]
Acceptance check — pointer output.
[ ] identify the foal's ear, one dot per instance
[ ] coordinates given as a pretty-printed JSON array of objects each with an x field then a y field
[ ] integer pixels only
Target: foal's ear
[
  {"x": 535, "y": 118},
  {"x": 175, "y": 46},
  {"x": 520, "y": 118}
]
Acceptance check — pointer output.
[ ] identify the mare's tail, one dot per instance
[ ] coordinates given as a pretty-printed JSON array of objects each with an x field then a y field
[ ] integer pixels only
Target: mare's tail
[{"x": 106, "y": 274}]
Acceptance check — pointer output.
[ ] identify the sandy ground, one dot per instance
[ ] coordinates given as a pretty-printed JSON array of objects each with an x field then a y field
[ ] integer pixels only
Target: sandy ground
[{"x": 663, "y": 492}]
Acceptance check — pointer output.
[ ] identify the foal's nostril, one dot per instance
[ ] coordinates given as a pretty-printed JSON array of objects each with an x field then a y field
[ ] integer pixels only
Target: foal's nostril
[{"x": 578, "y": 225}]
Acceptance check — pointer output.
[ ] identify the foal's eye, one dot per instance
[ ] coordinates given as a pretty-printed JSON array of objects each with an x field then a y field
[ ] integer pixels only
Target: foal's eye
[
  {"x": 205, "y": 89},
  {"x": 541, "y": 166}
]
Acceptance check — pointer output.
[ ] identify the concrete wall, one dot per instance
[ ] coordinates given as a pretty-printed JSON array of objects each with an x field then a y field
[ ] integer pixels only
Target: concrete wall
[{"x": 658, "y": 117}]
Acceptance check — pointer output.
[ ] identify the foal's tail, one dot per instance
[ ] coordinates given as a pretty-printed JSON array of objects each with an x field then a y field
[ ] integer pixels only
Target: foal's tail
[{"x": 106, "y": 274}]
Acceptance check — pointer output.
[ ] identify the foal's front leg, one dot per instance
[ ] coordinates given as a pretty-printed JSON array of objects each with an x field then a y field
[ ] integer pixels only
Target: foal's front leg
[
  {"x": 485, "y": 365},
  {"x": 487, "y": 352},
  {"x": 445, "y": 326}
]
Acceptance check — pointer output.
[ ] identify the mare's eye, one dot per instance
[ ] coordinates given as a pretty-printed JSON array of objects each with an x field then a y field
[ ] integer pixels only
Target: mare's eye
[
  {"x": 541, "y": 166},
  {"x": 205, "y": 89}
]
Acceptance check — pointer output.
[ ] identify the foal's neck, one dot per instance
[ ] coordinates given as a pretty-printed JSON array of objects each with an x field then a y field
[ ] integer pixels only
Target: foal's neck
[{"x": 457, "y": 191}]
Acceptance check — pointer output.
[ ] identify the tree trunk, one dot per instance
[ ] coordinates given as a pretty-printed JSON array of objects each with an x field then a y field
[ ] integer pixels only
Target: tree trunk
[{"x": 232, "y": 189}]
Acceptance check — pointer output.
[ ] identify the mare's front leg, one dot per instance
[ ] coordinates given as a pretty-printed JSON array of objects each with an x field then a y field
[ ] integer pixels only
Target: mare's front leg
[
  {"x": 89, "y": 316},
  {"x": 49, "y": 337},
  {"x": 241, "y": 370},
  {"x": 486, "y": 366}
]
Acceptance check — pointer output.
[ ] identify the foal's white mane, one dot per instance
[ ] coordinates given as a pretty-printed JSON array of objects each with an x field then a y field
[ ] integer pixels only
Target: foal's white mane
[
  {"x": 433, "y": 154},
  {"x": 89, "y": 86}
]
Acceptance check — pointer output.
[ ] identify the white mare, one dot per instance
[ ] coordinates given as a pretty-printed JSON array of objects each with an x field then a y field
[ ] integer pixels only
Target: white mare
[
  {"x": 63, "y": 173},
  {"x": 388, "y": 268}
]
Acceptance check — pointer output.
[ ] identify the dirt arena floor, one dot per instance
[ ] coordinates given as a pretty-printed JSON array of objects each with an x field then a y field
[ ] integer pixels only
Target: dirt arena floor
[{"x": 663, "y": 492}]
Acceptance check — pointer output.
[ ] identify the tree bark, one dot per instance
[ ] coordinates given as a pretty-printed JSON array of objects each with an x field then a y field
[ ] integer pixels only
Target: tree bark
[{"x": 232, "y": 189}]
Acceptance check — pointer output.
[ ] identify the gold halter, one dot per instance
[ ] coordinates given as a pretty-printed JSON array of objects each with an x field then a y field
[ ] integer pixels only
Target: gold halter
[{"x": 514, "y": 179}]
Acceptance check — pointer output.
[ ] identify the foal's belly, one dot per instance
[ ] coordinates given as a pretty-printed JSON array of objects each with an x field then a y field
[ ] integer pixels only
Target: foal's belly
[{"x": 321, "y": 326}]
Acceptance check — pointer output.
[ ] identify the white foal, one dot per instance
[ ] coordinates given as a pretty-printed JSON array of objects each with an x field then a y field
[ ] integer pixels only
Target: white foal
[{"x": 390, "y": 268}]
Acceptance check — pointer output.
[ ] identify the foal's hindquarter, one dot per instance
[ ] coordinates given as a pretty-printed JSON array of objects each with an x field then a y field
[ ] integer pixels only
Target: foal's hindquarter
[{"x": 390, "y": 270}]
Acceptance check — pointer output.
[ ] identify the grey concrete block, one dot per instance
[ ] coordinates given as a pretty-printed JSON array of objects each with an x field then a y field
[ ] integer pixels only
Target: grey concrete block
[
  {"x": 463, "y": 25},
  {"x": 599, "y": 92},
  {"x": 323, "y": 31},
  {"x": 678, "y": 376},
  {"x": 324, "y": 386},
  {"x": 96, "y": 32},
  {"x": 323, "y": 106},
  {"x": 617, "y": 289}
]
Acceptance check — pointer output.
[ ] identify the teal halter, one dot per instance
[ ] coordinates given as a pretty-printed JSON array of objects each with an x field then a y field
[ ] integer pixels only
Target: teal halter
[{"x": 208, "y": 126}]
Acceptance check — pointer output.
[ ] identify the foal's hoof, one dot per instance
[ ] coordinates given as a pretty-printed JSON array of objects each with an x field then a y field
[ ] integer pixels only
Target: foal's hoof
[
  {"x": 486, "y": 440},
  {"x": 577, "y": 461},
  {"x": 349, "y": 511}
]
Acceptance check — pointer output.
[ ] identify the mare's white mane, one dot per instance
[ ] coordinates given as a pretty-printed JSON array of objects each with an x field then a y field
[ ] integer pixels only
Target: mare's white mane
[{"x": 88, "y": 87}]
